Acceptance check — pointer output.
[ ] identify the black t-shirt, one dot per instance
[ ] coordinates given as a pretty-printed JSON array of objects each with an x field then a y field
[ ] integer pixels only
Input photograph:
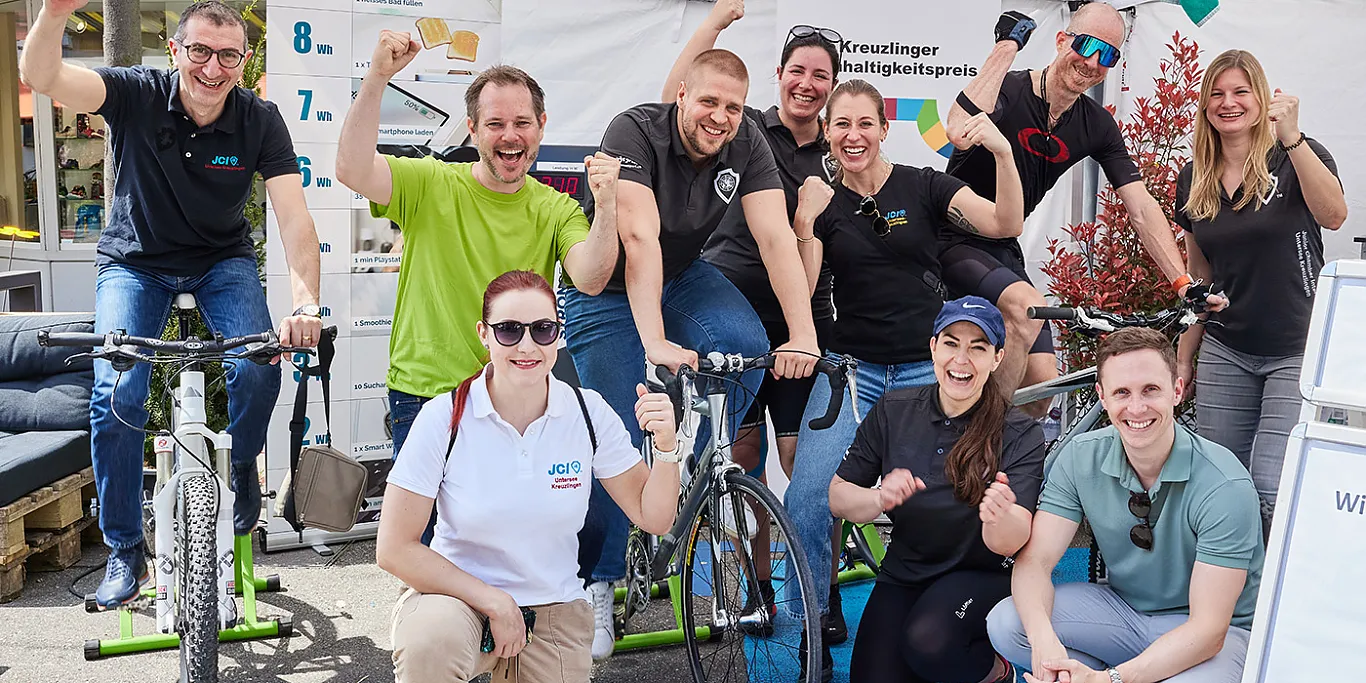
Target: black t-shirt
[
  {"x": 887, "y": 289},
  {"x": 934, "y": 533},
  {"x": 1266, "y": 259},
  {"x": 181, "y": 189},
  {"x": 1085, "y": 130},
  {"x": 732, "y": 248},
  {"x": 691, "y": 200}
]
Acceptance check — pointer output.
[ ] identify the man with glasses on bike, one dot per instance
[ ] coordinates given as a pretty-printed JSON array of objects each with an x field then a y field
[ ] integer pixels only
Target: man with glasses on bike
[
  {"x": 187, "y": 143},
  {"x": 1177, "y": 520},
  {"x": 683, "y": 165},
  {"x": 1052, "y": 125}
]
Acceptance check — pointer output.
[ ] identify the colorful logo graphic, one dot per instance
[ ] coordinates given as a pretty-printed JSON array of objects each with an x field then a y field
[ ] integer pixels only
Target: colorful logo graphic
[
  {"x": 1041, "y": 144},
  {"x": 925, "y": 113}
]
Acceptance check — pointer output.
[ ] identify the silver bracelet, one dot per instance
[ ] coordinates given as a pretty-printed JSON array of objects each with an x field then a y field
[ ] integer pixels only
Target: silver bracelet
[{"x": 1114, "y": 676}]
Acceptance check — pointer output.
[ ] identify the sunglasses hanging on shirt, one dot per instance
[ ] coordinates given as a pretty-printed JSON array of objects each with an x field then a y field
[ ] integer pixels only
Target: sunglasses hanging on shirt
[
  {"x": 1087, "y": 45},
  {"x": 1141, "y": 506},
  {"x": 868, "y": 207},
  {"x": 510, "y": 332}
]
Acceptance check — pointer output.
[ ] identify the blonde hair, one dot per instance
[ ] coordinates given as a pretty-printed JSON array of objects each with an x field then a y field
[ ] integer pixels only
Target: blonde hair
[{"x": 1208, "y": 164}]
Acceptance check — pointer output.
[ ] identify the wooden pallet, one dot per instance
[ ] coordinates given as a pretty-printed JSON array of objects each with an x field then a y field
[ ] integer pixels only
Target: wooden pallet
[
  {"x": 51, "y": 508},
  {"x": 45, "y": 551}
]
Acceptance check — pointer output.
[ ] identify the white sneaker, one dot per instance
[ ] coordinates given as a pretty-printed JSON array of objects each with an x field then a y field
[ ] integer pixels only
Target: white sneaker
[
  {"x": 604, "y": 639},
  {"x": 728, "y": 519}
]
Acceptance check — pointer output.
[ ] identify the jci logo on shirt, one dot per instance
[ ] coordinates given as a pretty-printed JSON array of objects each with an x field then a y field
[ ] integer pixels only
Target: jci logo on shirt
[{"x": 565, "y": 475}]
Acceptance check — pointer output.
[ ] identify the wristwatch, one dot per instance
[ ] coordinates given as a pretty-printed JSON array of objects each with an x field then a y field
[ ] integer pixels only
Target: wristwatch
[
  {"x": 1114, "y": 676},
  {"x": 310, "y": 310},
  {"x": 676, "y": 455}
]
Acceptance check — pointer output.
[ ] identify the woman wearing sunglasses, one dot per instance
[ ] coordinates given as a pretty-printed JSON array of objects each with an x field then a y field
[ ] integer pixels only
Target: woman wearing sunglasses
[
  {"x": 508, "y": 458},
  {"x": 878, "y": 230},
  {"x": 961, "y": 472},
  {"x": 1253, "y": 200},
  {"x": 807, "y": 71}
]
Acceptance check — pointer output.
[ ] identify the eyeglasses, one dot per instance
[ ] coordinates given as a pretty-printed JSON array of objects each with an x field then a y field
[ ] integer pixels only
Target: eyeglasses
[
  {"x": 510, "y": 332},
  {"x": 868, "y": 207},
  {"x": 1140, "y": 506},
  {"x": 829, "y": 35},
  {"x": 228, "y": 58},
  {"x": 1087, "y": 45}
]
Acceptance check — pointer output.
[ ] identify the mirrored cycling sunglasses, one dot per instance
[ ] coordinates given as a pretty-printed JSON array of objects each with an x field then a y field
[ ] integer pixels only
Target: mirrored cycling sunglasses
[
  {"x": 1087, "y": 45},
  {"x": 509, "y": 332},
  {"x": 829, "y": 35}
]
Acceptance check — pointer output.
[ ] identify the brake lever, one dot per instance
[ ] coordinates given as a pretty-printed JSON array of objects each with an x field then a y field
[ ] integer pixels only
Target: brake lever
[{"x": 851, "y": 378}]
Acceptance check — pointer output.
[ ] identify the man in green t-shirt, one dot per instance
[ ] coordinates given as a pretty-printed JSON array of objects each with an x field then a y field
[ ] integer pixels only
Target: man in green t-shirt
[
  {"x": 1176, "y": 518},
  {"x": 465, "y": 224}
]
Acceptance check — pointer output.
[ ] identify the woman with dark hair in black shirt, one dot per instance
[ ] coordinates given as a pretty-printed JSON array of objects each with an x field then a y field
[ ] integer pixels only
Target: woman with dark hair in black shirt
[{"x": 961, "y": 472}]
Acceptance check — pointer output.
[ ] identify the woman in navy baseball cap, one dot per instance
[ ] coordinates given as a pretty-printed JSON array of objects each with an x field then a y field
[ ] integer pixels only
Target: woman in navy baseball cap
[{"x": 960, "y": 474}]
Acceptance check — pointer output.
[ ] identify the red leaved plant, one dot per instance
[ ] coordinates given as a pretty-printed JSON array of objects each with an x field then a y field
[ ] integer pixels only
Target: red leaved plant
[{"x": 1104, "y": 264}]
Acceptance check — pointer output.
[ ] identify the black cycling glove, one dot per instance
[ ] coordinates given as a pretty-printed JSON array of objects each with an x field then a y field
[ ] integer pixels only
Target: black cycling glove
[
  {"x": 1015, "y": 26},
  {"x": 1195, "y": 296}
]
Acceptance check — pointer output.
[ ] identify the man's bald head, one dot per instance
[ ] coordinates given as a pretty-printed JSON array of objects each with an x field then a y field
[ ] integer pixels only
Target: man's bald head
[
  {"x": 1100, "y": 20},
  {"x": 723, "y": 62}
]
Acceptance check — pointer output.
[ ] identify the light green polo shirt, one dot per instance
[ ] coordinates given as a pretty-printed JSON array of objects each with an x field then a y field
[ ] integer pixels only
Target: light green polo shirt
[
  {"x": 1205, "y": 509},
  {"x": 457, "y": 236}
]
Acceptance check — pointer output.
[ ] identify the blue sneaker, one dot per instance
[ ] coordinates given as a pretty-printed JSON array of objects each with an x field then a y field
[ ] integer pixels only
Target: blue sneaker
[{"x": 124, "y": 576}]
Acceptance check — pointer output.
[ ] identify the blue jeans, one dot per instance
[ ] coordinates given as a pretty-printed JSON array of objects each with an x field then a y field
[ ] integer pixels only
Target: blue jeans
[
  {"x": 403, "y": 409},
  {"x": 819, "y": 454},
  {"x": 231, "y": 302},
  {"x": 702, "y": 311}
]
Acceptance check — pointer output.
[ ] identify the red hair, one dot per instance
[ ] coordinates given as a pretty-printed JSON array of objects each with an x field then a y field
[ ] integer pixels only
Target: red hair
[{"x": 511, "y": 281}]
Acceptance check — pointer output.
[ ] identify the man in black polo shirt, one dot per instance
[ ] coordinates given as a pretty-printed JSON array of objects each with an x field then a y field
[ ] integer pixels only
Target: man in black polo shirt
[
  {"x": 1052, "y": 125},
  {"x": 682, "y": 165},
  {"x": 186, "y": 144}
]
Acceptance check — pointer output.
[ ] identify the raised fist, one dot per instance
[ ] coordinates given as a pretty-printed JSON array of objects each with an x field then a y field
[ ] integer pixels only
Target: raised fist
[
  {"x": 812, "y": 198},
  {"x": 1015, "y": 27},
  {"x": 726, "y": 12},
  {"x": 395, "y": 51}
]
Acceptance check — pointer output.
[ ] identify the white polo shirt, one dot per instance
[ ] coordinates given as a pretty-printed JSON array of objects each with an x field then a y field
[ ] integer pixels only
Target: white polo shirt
[{"x": 511, "y": 505}]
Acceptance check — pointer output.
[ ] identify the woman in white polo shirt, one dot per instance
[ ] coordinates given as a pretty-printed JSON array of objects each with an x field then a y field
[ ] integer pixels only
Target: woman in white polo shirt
[{"x": 511, "y": 485}]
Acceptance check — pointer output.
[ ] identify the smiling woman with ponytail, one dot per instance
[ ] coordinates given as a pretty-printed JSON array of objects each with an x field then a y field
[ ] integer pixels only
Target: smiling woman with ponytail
[{"x": 961, "y": 472}]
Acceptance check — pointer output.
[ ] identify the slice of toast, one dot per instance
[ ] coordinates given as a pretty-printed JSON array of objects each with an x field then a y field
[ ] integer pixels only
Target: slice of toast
[
  {"x": 434, "y": 32},
  {"x": 464, "y": 45}
]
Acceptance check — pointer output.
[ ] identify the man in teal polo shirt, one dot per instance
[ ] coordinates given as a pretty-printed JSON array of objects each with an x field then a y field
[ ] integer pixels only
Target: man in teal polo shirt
[{"x": 1177, "y": 520}]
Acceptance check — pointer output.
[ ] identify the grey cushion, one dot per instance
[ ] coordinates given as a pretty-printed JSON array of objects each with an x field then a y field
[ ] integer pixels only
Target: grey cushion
[
  {"x": 47, "y": 403},
  {"x": 20, "y": 355},
  {"x": 36, "y": 459}
]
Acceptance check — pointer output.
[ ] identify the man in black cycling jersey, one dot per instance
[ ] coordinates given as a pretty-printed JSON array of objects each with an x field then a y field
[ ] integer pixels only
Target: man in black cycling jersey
[{"x": 1052, "y": 125}]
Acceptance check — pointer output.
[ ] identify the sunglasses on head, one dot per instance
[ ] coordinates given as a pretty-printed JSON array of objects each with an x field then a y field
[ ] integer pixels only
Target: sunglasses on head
[
  {"x": 868, "y": 207},
  {"x": 1087, "y": 45},
  {"x": 829, "y": 35},
  {"x": 510, "y": 332},
  {"x": 1140, "y": 506}
]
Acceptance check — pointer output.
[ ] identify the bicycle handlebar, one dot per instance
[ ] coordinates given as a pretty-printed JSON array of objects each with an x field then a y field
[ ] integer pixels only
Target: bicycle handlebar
[
  {"x": 1051, "y": 313},
  {"x": 117, "y": 345},
  {"x": 1092, "y": 320},
  {"x": 716, "y": 364}
]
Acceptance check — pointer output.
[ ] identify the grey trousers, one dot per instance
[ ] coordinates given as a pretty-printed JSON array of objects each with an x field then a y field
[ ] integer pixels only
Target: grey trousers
[
  {"x": 1248, "y": 404},
  {"x": 1100, "y": 630}
]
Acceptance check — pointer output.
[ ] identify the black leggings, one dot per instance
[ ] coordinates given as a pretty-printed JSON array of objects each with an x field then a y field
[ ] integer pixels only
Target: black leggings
[{"x": 931, "y": 633}]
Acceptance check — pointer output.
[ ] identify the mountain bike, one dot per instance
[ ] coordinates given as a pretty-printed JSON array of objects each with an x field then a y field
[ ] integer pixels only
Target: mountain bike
[
  {"x": 726, "y": 555},
  {"x": 200, "y": 566}
]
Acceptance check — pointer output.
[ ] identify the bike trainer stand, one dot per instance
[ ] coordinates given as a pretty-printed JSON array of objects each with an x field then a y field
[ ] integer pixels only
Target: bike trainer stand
[{"x": 248, "y": 627}]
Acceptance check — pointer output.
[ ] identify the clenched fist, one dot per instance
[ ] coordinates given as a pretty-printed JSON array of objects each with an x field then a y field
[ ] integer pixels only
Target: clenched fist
[
  {"x": 395, "y": 51},
  {"x": 897, "y": 486},
  {"x": 63, "y": 8},
  {"x": 1284, "y": 112},
  {"x": 979, "y": 130},
  {"x": 997, "y": 499},
  {"x": 812, "y": 198},
  {"x": 603, "y": 172},
  {"x": 726, "y": 12}
]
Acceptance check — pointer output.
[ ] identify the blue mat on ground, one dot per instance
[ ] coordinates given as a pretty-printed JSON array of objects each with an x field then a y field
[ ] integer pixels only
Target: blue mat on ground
[{"x": 1072, "y": 568}]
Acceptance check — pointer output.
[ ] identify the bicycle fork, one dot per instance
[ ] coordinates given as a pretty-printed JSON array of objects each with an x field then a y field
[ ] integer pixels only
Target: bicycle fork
[{"x": 173, "y": 466}]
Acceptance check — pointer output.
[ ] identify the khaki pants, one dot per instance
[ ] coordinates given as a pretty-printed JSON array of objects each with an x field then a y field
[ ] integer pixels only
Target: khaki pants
[{"x": 436, "y": 640}]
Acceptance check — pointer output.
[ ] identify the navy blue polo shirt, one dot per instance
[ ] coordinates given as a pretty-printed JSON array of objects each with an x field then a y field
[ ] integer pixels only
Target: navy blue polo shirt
[{"x": 180, "y": 188}]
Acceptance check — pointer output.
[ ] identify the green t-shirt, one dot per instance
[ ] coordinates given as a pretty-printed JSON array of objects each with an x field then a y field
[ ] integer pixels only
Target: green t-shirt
[
  {"x": 1205, "y": 509},
  {"x": 457, "y": 236}
]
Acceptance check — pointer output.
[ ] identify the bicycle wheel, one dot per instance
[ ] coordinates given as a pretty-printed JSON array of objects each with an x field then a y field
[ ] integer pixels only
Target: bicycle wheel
[
  {"x": 197, "y": 589},
  {"x": 863, "y": 551},
  {"x": 725, "y": 567}
]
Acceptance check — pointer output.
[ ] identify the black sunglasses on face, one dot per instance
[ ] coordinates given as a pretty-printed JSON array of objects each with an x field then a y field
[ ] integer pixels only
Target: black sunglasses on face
[
  {"x": 510, "y": 332},
  {"x": 829, "y": 35},
  {"x": 868, "y": 207},
  {"x": 228, "y": 58},
  {"x": 1140, "y": 506}
]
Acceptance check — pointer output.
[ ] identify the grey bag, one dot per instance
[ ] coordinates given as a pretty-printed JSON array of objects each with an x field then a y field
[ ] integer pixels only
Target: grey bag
[{"x": 324, "y": 487}]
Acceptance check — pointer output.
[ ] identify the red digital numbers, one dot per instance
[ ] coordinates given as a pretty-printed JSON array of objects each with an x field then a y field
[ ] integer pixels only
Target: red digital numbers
[{"x": 567, "y": 184}]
